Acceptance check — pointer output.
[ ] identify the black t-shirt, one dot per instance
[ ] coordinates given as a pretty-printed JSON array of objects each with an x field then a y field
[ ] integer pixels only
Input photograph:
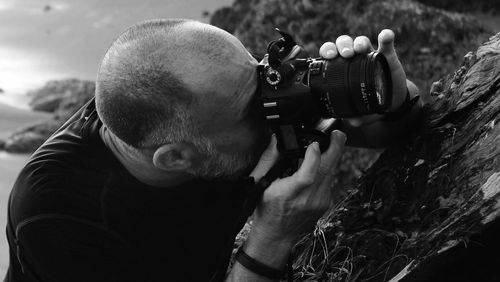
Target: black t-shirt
[{"x": 75, "y": 214}]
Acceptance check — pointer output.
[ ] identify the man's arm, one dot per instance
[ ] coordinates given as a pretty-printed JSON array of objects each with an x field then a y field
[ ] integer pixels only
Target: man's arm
[
  {"x": 272, "y": 252},
  {"x": 290, "y": 206}
]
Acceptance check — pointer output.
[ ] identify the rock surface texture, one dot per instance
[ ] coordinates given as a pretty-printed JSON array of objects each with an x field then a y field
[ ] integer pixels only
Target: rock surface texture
[{"x": 427, "y": 200}]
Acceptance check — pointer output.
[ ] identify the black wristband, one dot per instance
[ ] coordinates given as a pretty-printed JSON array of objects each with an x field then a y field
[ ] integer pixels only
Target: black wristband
[
  {"x": 403, "y": 109},
  {"x": 258, "y": 267}
]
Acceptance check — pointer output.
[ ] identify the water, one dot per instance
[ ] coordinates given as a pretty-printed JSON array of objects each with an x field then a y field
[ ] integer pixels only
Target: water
[
  {"x": 18, "y": 101},
  {"x": 10, "y": 165}
]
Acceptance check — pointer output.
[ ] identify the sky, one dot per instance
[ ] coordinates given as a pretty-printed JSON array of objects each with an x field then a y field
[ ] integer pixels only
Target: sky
[{"x": 44, "y": 40}]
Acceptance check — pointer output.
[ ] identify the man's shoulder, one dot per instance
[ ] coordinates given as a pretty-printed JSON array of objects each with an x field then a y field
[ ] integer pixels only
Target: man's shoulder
[{"x": 66, "y": 174}]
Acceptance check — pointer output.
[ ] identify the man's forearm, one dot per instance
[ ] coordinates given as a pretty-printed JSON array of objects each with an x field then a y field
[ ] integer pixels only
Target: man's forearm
[{"x": 272, "y": 252}]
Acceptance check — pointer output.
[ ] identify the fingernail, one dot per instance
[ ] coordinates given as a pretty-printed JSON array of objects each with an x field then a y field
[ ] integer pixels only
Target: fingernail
[
  {"x": 347, "y": 52},
  {"x": 330, "y": 54},
  {"x": 327, "y": 46},
  {"x": 358, "y": 46},
  {"x": 386, "y": 36}
]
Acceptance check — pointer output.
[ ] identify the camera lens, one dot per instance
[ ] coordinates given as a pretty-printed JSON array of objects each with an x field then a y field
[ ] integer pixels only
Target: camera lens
[{"x": 351, "y": 87}]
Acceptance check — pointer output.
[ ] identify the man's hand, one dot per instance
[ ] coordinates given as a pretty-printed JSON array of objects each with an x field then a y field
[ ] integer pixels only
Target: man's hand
[
  {"x": 347, "y": 47},
  {"x": 291, "y": 206}
]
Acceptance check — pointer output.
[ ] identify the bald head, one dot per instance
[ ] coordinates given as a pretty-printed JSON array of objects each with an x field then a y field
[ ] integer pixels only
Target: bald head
[{"x": 160, "y": 80}]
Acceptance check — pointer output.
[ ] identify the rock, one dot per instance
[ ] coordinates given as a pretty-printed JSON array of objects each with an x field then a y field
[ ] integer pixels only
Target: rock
[
  {"x": 61, "y": 96},
  {"x": 429, "y": 205},
  {"x": 26, "y": 142},
  {"x": 48, "y": 104},
  {"x": 465, "y": 6},
  {"x": 28, "y": 139}
]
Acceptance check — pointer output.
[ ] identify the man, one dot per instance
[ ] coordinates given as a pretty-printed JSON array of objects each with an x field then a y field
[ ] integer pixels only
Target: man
[{"x": 148, "y": 184}]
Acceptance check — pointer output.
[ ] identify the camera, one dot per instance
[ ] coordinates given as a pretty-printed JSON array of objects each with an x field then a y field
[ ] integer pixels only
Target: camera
[{"x": 303, "y": 99}]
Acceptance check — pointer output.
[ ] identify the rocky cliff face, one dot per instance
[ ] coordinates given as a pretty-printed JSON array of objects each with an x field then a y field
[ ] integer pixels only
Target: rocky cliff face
[
  {"x": 61, "y": 96},
  {"x": 465, "y": 5},
  {"x": 428, "y": 209},
  {"x": 429, "y": 41}
]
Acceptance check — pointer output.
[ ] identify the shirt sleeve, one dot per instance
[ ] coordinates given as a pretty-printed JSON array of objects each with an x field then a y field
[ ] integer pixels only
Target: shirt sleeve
[{"x": 59, "y": 248}]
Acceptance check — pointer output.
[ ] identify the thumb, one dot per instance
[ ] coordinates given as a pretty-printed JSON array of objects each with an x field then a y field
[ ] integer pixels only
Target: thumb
[
  {"x": 386, "y": 42},
  {"x": 267, "y": 160},
  {"x": 386, "y": 47}
]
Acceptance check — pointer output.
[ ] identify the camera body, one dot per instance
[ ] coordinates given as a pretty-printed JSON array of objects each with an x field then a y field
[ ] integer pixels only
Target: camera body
[{"x": 303, "y": 98}]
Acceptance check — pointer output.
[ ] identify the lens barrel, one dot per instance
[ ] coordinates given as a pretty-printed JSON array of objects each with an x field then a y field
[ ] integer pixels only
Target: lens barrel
[{"x": 351, "y": 87}]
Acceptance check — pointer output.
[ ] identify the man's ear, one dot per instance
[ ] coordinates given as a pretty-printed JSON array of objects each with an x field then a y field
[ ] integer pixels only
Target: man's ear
[{"x": 177, "y": 157}]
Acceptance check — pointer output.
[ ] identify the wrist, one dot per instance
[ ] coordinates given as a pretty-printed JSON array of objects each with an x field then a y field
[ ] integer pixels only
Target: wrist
[
  {"x": 411, "y": 101},
  {"x": 402, "y": 94},
  {"x": 272, "y": 251}
]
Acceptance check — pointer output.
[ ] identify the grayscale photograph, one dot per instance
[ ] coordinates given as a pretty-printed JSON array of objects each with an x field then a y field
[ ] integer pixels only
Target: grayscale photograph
[{"x": 249, "y": 140}]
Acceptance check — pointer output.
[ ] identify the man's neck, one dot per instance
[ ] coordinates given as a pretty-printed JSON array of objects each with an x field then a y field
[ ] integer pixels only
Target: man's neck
[{"x": 138, "y": 164}]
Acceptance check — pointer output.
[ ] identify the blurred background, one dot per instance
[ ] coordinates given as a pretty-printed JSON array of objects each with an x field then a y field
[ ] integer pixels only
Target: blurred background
[{"x": 50, "y": 51}]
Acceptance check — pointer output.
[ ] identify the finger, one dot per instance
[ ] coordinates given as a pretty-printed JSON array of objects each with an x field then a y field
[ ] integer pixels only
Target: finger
[
  {"x": 267, "y": 160},
  {"x": 332, "y": 155},
  {"x": 328, "y": 50},
  {"x": 345, "y": 46},
  {"x": 306, "y": 174},
  {"x": 362, "y": 45},
  {"x": 329, "y": 161}
]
